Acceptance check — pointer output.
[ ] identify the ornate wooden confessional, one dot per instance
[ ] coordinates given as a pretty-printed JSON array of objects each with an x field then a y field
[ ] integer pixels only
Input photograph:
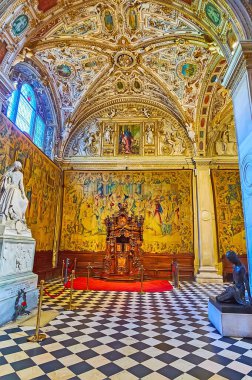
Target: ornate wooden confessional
[{"x": 124, "y": 239}]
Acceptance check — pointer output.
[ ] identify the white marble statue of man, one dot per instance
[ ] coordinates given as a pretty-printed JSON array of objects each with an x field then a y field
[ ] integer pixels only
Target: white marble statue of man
[{"x": 13, "y": 201}]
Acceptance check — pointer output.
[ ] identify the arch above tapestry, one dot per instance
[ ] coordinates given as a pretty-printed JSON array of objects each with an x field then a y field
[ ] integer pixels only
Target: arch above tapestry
[{"x": 131, "y": 129}]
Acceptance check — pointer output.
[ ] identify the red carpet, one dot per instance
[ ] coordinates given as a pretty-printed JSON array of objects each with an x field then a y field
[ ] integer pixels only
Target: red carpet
[{"x": 80, "y": 283}]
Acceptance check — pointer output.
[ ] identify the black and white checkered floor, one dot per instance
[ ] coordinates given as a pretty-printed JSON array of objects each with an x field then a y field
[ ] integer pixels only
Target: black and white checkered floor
[{"x": 127, "y": 336}]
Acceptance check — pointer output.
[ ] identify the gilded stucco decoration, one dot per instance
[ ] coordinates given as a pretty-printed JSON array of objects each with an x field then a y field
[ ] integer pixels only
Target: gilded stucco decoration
[
  {"x": 222, "y": 135},
  {"x": 205, "y": 128},
  {"x": 73, "y": 70},
  {"x": 225, "y": 144},
  {"x": 181, "y": 67},
  {"x": 135, "y": 130},
  {"x": 220, "y": 99},
  {"x": 93, "y": 51}
]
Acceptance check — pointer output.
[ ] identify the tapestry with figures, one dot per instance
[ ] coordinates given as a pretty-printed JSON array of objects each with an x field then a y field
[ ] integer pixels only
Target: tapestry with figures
[
  {"x": 164, "y": 199},
  {"x": 42, "y": 180},
  {"x": 229, "y": 213}
]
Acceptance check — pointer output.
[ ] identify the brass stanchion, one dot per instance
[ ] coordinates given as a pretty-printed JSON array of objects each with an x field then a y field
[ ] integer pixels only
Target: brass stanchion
[
  {"x": 178, "y": 276},
  {"x": 75, "y": 262},
  {"x": 62, "y": 271},
  {"x": 88, "y": 276},
  {"x": 70, "y": 307},
  {"x": 38, "y": 337},
  {"x": 175, "y": 274},
  {"x": 142, "y": 278}
]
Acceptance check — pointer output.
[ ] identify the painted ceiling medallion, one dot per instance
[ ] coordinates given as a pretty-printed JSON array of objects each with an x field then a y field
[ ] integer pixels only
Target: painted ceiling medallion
[
  {"x": 125, "y": 60},
  {"x": 64, "y": 71},
  {"x": 108, "y": 19},
  {"x": 188, "y": 70},
  {"x": 121, "y": 86},
  {"x": 20, "y": 24},
  {"x": 213, "y": 14}
]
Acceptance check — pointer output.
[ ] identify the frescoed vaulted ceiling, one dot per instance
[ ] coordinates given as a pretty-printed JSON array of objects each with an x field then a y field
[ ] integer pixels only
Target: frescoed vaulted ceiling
[{"x": 95, "y": 54}]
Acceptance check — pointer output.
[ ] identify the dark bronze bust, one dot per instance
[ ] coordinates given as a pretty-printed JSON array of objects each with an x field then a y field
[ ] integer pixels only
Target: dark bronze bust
[{"x": 235, "y": 293}]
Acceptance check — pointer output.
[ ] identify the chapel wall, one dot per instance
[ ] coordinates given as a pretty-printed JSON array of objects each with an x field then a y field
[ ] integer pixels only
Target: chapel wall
[{"x": 42, "y": 182}]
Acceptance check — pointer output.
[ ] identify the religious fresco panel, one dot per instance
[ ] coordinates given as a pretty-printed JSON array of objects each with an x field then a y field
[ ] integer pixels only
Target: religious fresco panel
[
  {"x": 229, "y": 213},
  {"x": 164, "y": 199},
  {"x": 42, "y": 180}
]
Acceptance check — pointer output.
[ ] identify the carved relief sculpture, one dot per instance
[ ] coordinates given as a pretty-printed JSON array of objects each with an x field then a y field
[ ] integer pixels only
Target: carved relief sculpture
[
  {"x": 108, "y": 135},
  {"x": 226, "y": 143},
  {"x": 149, "y": 135}
]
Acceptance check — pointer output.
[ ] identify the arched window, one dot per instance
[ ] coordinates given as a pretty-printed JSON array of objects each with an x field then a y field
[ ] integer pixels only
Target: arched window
[{"x": 22, "y": 111}]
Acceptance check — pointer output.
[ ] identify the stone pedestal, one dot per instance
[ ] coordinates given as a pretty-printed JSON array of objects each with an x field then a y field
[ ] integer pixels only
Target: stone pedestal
[
  {"x": 16, "y": 264},
  {"x": 208, "y": 274},
  {"x": 231, "y": 319}
]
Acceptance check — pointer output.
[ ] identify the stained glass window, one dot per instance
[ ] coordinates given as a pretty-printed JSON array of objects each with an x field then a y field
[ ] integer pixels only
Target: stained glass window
[
  {"x": 39, "y": 132},
  {"x": 22, "y": 111},
  {"x": 25, "y": 114}
]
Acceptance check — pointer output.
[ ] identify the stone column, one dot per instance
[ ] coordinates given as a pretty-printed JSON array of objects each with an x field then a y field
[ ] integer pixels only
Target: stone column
[
  {"x": 206, "y": 224},
  {"x": 239, "y": 80}
]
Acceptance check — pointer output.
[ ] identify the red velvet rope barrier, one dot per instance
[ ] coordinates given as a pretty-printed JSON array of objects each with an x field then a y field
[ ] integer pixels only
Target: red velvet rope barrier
[{"x": 53, "y": 295}]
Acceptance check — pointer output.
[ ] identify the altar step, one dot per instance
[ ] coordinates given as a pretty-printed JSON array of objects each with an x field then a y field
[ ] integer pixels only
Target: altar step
[{"x": 116, "y": 277}]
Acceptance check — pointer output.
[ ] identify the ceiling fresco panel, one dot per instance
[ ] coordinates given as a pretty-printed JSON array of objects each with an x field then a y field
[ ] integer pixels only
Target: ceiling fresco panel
[{"x": 73, "y": 71}]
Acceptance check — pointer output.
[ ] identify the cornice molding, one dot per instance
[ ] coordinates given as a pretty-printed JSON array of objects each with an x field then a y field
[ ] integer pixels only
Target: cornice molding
[
  {"x": 202, "y": 162},
  {"x": 126, "y": 163},
  {"x": 241, "y": 62},
  {"x": 225, "y": 162},
  {"x": 216, "y": 162}
]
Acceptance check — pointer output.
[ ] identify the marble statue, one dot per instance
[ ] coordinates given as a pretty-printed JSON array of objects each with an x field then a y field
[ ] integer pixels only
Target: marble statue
[
  {"x": 235, "y": 293},
  {"x": 13, "y": 201},
  {"x": 18, "y": 284}
]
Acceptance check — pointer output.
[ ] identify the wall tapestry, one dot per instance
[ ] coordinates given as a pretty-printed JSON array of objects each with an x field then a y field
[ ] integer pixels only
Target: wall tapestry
[
  {"x": 229, "y": 213},
  {"x": 163, "y": 198},
  {"x": 41, "y": 180}
]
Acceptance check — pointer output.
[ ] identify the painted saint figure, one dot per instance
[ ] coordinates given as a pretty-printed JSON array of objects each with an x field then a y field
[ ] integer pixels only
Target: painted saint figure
[
  {"x": 127, "y": 140},
  {"x": 236, "y": 293},
  {"x": 108, "y": 20},
  {"x": 13, "y": 201},
  {"x": 133, "y": 21}
]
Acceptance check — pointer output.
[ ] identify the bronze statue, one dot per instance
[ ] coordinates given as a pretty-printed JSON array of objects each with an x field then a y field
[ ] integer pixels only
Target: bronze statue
[{"x": 236, "y": 293}]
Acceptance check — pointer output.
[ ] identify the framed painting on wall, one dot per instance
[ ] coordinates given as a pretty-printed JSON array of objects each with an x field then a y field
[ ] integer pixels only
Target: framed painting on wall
[{"x": 129, "y": 139}]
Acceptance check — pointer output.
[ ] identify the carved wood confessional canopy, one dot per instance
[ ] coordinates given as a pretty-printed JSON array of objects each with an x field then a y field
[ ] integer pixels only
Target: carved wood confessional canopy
[{"x": 124, "y": 239}]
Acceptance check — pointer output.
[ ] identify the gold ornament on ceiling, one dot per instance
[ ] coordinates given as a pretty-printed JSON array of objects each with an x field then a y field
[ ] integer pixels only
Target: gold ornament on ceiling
[{"x": 125, "y": 60}]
